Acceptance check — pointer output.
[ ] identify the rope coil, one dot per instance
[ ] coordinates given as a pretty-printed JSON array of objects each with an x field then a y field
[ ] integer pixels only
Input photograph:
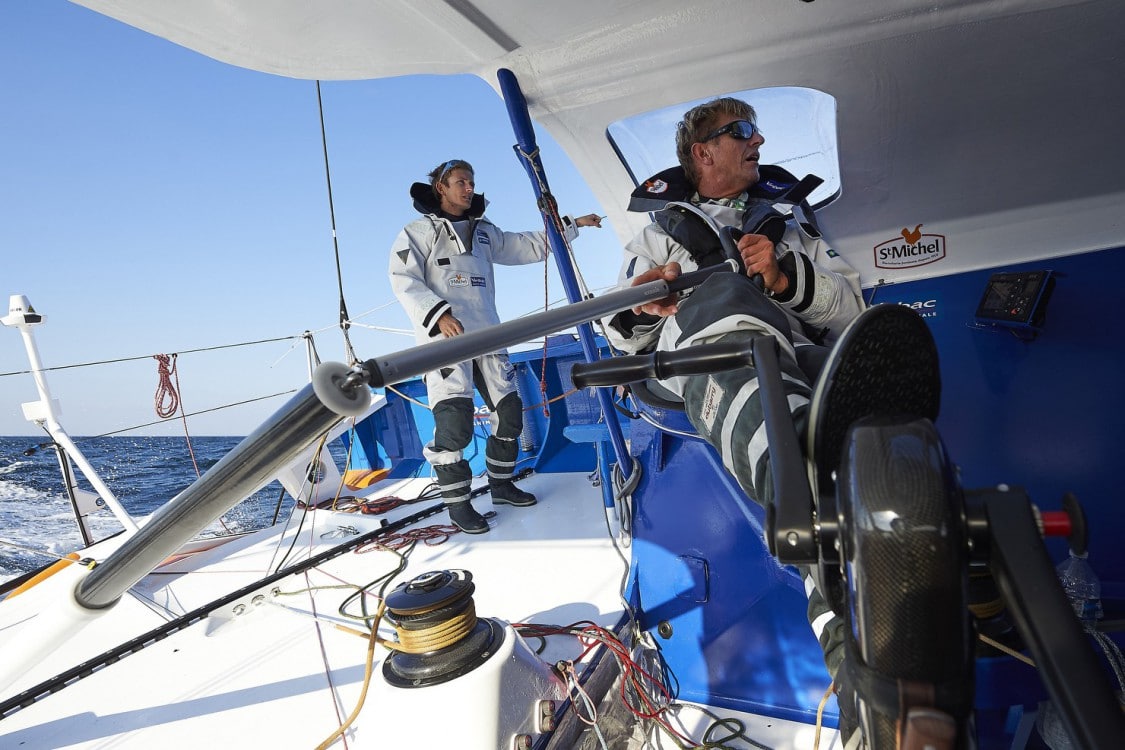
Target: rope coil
[
  {"x": 167, "y": 399},
  {"x": 442, "y": 635}
]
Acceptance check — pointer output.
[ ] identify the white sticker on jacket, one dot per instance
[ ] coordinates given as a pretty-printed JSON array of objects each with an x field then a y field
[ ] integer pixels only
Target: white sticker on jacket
[
  {"x": 711, "y": 400},
  {"x": 458, "y": 280}
]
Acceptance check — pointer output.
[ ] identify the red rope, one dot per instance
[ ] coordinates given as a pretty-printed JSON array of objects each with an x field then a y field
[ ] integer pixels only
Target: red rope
[
  {"x": 430, "y": 535},
  {"x": 168, "y": 400},
  {"x": 167, "y": 397}
]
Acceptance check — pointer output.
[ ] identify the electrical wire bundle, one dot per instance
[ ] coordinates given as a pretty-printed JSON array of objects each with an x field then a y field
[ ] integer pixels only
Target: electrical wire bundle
[{"x": 646, "y": 695}]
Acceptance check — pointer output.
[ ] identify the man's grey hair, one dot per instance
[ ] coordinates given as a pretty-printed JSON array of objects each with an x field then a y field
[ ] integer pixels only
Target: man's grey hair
[{"x": 701, "y": 120}]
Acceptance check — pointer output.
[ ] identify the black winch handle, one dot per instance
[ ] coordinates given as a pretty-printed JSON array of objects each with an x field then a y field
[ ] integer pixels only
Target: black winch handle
[
  {"x": 729, "y": 237},
  {"x": 695, "y": 360}
]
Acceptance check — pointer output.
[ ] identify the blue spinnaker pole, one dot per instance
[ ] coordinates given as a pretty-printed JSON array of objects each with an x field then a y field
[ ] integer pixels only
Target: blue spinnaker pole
[{"x": 528, "y": 152}]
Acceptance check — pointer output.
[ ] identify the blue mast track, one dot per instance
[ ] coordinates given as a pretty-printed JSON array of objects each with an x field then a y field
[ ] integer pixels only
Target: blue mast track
[{"x": 527, "y": 150}]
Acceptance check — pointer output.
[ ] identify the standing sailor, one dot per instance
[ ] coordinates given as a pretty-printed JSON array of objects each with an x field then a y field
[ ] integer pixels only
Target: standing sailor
[{"x": 442, "y": 272}]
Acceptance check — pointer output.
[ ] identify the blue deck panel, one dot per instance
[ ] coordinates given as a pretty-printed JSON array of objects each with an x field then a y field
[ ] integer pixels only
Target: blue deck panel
[{"x": 1047, "y": 415}]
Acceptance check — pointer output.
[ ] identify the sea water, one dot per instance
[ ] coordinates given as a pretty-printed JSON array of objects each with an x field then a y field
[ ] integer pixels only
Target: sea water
[{"x": 143, "y": 472}]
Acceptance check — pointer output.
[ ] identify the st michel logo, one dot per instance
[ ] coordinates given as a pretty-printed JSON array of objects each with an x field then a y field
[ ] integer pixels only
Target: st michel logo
[{"x": 911, "y": 248}]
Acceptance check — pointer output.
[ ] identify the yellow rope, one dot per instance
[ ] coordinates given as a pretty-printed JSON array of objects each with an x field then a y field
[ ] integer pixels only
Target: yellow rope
[
  {"x": 440, "y": 636},
  {"x": 368, "y": 669},
  {"x": 820, "y": 714},
  {"x": 985, "y": 610},
  {"x": 46, "y": 573},
  {"x": 1001, "y": 647}
]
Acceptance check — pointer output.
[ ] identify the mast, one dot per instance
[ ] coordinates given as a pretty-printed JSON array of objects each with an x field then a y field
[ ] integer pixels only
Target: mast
[{"x": 528, "y": 151}]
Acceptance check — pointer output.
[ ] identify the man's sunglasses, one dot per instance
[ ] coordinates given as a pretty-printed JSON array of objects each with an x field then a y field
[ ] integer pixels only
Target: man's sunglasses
[
  {"x": 447, "y": 168},
  {"x": 743, "y": 130}
]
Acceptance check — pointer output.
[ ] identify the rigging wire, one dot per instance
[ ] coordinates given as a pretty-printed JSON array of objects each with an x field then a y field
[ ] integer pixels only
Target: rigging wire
[
  {"x": 196, "y": 413},
  {"x": 33, "y": 550},
  {"x": 344, "y": 320},
  {"x": 324, "y": 657},
  {"x": 147, "y": 356}
]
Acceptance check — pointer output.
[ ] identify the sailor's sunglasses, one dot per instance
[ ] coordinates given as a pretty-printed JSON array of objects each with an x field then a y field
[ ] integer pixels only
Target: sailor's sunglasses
[
  {"x": 446, "y": 168},
  {"x": 743, "y": 130}
]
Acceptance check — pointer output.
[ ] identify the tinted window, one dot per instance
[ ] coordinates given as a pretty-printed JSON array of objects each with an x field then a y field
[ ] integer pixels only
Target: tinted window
[{"x": 799, "y": 126}]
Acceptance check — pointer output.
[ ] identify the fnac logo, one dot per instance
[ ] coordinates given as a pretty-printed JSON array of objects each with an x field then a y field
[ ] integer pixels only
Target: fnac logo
[
  {"x": 911, "y": 248},
  {"x": 924, "y": 308}
]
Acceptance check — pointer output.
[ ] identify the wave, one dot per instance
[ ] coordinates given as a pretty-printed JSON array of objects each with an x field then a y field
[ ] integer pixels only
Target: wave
[
  {"x": 143, "y": 473},
  {"x": 17, "y": 492},
  {"x": 4, "y": 470}
]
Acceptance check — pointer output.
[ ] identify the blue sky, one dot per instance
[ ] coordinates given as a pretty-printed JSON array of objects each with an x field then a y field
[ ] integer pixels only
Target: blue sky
[{"x": 154, "y": 200}]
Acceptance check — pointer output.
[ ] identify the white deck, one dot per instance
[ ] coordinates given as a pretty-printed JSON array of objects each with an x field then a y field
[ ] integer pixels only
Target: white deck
[{"x": 232, "y": 679}]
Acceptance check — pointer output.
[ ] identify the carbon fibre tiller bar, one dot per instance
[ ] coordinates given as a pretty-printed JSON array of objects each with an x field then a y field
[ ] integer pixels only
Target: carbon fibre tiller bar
[
  {"x": 409, "y": 363},
  {"x": 310, "y": 414}
]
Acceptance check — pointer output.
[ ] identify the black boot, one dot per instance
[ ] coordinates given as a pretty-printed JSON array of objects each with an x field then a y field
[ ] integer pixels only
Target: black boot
[
  {"x": 505, "y": 492},
  {"x": 466, "y": 518}
]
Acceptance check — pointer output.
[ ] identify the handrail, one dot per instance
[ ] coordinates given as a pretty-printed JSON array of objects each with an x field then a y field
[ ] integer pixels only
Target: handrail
[
  {"x": 250, "y": 464},
  {"x": 45, "y": 412}
]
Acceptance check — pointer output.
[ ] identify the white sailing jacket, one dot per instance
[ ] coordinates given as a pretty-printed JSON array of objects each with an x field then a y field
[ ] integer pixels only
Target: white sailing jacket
[
  {"x": 825, "y": 292},
  {"x": 433, "y": 272}
]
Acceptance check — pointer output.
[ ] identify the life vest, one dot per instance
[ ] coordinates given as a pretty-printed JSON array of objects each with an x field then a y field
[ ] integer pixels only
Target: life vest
[{"x": 667, "y": 195}]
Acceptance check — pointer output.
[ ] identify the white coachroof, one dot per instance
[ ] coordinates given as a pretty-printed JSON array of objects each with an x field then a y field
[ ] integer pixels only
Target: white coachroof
[{"x": 994, "y": 123}]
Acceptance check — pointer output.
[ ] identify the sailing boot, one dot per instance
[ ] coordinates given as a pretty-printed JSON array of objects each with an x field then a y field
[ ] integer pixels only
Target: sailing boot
[
  {"x": 455, "y": 481},
  {"x": 465, "y": 517},
  {"x": 505, "y": 492},
  {"x": 500, "y": 453}
]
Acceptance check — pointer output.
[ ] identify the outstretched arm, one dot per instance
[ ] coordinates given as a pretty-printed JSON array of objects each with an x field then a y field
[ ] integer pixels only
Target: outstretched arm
[{"x": 589, "y": 220}]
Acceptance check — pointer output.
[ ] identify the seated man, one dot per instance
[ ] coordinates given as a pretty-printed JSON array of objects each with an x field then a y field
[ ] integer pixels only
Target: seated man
[
  {"x": 807, "y": 299},
  {"x": 808, "y": 294}
]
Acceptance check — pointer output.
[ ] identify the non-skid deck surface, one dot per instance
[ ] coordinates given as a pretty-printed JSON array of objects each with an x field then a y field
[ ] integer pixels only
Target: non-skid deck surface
[{"x": 243, "y": 679}]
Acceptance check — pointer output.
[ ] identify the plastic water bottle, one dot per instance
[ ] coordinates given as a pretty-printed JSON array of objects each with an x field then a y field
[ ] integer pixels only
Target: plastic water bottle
[
  {"x": 1084, "y": 591},
  {"x": 1082, "y": 588}
]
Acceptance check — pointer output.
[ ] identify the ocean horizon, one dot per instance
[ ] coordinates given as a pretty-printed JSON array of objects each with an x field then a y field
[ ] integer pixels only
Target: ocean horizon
[{"x": 37, "y": 525}]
